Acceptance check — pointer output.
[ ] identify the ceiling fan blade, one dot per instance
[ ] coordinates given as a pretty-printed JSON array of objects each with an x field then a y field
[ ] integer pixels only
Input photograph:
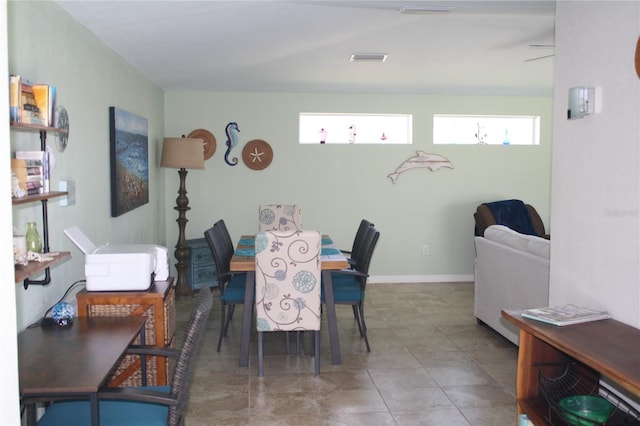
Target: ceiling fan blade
[{"x": 538, "y": 58}]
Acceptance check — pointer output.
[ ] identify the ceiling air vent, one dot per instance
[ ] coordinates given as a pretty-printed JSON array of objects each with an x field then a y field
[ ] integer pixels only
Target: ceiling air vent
[
  {"x": 418, "y": 9},
  {"x": 368, "y": 57}
]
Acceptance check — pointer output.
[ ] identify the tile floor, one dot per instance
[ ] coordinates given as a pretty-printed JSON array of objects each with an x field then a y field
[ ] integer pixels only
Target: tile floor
[{"x": 430, "y": 364}]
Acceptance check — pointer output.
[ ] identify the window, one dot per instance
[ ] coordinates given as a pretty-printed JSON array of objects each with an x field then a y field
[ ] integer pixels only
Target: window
[
  {"x": 317, "y": 128},
  {"x": 486, "y": 129}
]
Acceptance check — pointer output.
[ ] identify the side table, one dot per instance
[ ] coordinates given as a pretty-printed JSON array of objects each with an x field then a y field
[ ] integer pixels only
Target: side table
[
  {"x": 158, "y": 306},
  {"x": 201, "y": 270}
]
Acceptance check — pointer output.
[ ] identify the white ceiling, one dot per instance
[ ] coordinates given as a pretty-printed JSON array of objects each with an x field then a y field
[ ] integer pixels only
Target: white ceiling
[{"x": 478, "y": 48}]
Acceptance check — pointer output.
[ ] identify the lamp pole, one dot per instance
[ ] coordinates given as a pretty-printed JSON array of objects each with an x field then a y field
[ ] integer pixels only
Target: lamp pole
[
  {"x": 182, "y": 153},
  {"x": 183, "y": 252}
]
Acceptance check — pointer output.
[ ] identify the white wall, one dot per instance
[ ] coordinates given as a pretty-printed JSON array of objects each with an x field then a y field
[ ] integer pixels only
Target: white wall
[
  {"x": 595, "y": 251},
  {"x": 337, "y": 185}
]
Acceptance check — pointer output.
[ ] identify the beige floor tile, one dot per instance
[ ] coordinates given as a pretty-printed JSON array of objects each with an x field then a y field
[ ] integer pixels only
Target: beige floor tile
[
  {"x": 431, "y": 417},
  {"x": 461, "y": 375},
  {"x": 351, "y": 401},
  {"x": 478, "y": 396},
  {"x": 415, "y": 399},
  {"x": 430, "y": 364}
]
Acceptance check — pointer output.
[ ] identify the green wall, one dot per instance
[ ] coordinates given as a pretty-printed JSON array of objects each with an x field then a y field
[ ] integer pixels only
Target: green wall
[
  {"x": 337, "y": 185},
  {"x": 46, "y": 45}
]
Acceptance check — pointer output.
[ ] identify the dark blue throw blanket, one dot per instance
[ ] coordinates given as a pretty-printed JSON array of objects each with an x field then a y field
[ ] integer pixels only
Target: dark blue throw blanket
[{"x": 513, "y": 214}]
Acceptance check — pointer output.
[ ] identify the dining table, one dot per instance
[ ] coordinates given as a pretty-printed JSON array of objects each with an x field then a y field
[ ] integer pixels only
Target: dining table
[
  {"x": 74, "y": 360},
  {"x": 331, "y": 259}
]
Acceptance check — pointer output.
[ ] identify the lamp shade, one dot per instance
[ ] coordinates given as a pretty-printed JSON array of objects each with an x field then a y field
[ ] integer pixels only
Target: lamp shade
[{"x": 182, "y": 153}]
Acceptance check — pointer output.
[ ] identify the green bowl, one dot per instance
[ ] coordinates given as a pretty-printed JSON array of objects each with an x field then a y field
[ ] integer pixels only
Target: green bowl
[{"x": 586, "y": 410}]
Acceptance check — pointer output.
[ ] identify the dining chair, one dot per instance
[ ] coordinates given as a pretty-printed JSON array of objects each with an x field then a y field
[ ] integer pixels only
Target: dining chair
[
  {"x": 349, "y": 285},
  {"x": 145, "y": 405},
  {"x": 280, "y": 217},
  {"x": 221, "y": 226},
  {"x": 288, "y": 286},
  {"x": 231, "y": 285},
  {"x": 357, "y": 241}
]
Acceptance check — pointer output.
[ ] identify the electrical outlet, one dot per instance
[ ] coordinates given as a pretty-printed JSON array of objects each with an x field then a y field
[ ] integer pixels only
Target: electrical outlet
[{"x": 425, "y": 250}]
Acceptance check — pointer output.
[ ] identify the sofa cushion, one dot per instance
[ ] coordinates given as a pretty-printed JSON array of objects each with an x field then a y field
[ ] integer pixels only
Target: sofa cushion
[{"x": 528, "y": 243}]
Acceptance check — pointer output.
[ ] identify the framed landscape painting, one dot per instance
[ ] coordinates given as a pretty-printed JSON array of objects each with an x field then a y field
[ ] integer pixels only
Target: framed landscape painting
[{"x": 129, "y": 146}]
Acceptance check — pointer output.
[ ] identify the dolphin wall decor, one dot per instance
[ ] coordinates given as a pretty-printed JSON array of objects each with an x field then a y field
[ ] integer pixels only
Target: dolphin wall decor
[{"x": 432, "y": 162}]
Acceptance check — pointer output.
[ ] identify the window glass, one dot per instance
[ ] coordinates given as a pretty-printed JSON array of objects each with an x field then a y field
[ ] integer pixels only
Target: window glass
[
  {"x": 332, "y": 128},
  {"x": 486, "y": 129}
]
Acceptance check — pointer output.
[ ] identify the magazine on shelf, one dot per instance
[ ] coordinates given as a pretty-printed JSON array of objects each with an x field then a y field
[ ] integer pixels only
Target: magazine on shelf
[{"x": 565, "y": 315}]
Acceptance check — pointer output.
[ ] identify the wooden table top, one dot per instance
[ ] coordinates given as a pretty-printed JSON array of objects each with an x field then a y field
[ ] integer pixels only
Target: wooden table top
[
  {"x": 248, "y": 263},
  {"x": 75, "y": 359}
]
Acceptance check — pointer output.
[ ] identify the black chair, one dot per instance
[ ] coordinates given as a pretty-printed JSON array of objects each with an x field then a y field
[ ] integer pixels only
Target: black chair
[
  {"x": 231, "y": 285},
  {"x": 357, "y": 241},
  {"x": 221, "y": 226},
  {"x": 148, "y": 405},
  {"x": 349, "y": 285}
]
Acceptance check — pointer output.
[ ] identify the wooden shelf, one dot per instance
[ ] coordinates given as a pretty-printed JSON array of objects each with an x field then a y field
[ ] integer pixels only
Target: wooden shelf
[
  {"x": 34, "y": 268},
  {"x": 38, "y": 197},
  {"x": 37, "y": 128},
  {"x": 595, "y": 349}
]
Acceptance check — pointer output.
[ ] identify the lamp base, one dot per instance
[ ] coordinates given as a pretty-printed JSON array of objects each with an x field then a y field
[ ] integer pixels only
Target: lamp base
[{"x": 183, "y": 251}]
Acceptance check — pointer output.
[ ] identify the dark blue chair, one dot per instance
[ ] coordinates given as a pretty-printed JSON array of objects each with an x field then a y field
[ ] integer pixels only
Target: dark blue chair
[
  {"x": 514, "y": 214},
  {"x": 357, "y": 241},
  {"x": 145, "y": 405},
  {"x": 231, "y": 285},
  {"x": 349, "y": 285}
]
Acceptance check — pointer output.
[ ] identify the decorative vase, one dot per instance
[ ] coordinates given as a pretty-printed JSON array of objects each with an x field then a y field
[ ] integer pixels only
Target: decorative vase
[{"x": 34, "y": 243}]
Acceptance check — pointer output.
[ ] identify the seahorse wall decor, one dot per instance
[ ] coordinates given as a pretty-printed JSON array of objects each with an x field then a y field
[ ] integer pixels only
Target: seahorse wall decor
[
  {"x": 232, "y": 141},
  {"x": 432, "y": 162}
]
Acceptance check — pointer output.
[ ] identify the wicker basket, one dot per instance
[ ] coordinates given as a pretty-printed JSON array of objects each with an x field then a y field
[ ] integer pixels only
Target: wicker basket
[
  {"x": 572, "y": 381},
  {"x": 128, "y": 372}
]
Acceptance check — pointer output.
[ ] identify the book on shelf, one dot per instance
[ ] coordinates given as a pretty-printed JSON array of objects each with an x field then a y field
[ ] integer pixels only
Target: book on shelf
[
  {"x": 33, "y": 170},
  {"x": 29, "y": 111},
  {"x": 41, "y": 98},
  {"x": 46, "y": 172},
  {"x": 36, "y": 168},
  {"x": 31, "y": 103},
  {"x": 53, "y": 93},
  {"x": 34, "y": 184},
  {"x": 45, "y": 101},
  {"x": 14, "y": 97},
  {"x": 19, "y": 169},
  {"x": 32, "y": 158},
  {"x": 565, "y": 314}
]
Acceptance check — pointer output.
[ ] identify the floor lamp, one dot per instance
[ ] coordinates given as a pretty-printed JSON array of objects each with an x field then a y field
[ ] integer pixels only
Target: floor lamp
[{"x": 183, "y": 154}]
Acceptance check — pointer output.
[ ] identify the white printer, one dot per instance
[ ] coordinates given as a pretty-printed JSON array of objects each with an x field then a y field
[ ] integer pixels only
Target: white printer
[{"x": 120, "y": 267}]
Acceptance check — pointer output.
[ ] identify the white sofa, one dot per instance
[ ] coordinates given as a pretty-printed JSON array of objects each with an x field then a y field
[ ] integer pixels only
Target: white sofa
[{"x": 511, "y": 272}]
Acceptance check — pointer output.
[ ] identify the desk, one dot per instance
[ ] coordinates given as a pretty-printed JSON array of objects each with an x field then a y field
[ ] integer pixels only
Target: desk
[
  {"x": 600, "y": 348},
  {"x": 247, "y": 264},
  {"x": 73, "y": 361}
]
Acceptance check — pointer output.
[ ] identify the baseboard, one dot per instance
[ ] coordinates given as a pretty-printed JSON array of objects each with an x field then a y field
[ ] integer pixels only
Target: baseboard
[{"x": 419, "y": 278}]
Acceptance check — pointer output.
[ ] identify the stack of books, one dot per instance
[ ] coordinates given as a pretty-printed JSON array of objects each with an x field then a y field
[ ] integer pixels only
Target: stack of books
[
  {"x": 32, "y": 170},
  {"x": 31, "y": 103}
]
